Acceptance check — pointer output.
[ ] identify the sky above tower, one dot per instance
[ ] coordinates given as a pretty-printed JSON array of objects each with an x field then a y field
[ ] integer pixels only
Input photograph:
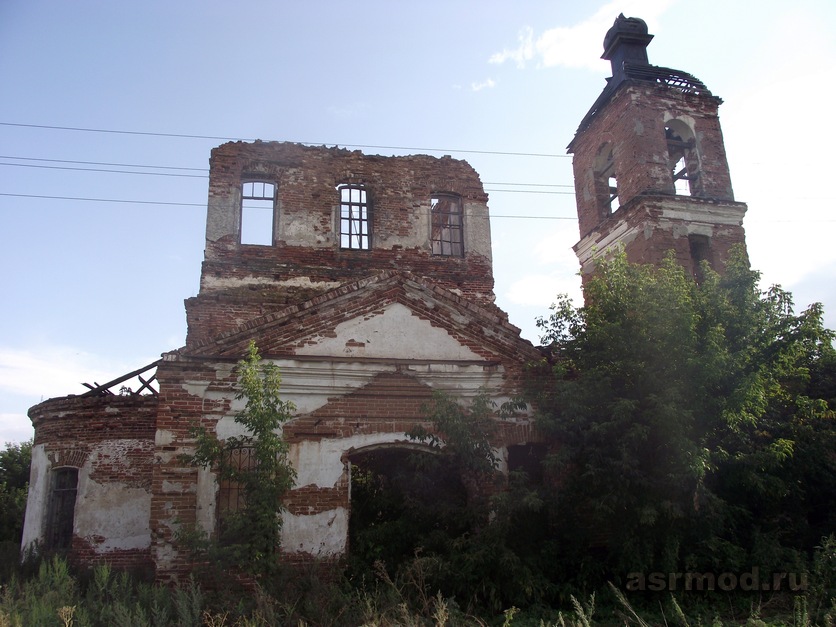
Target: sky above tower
[{"x": 110, "y": 111}]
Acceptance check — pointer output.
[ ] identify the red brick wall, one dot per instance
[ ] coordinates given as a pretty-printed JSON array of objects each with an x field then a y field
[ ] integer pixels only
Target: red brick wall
[
  {"x": 240, "y": 282},
  {"x": 174, "y": 483},
  {"x": 79, "y": 422},
  {"x": 634, "y": 124}
]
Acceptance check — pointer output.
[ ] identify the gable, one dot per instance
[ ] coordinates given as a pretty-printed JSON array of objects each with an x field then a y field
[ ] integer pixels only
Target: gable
[
  {"x": 393, "y": 332},
  {"x": 391, "y": 315}
]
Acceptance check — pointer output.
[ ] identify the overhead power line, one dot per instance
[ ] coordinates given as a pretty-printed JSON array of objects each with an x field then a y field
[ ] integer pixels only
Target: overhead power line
[
  {"x": 251, "y": 139},
  {"x": 203, "y": 176},
  {"x": 117, "y": 200},
  {"x": 529, "y": 191},
  {"x": 171, "y": 167},
  {"x": 197, "y": 204},
  {"x": 107, "y": 163},
  {"x": 64, "y": 167}
]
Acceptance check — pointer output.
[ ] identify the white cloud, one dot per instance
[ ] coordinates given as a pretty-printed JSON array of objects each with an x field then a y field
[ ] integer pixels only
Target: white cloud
[
  {"x": 348, "y": 110},
  {"x": 578, "y": 46},
  {"x": 29, "y": 376},
  {"x": 15, "y": 428},
  {"x": 39, "y": 374},
  {"x": 541, "y": 290},
  {"x": 52, "y": 371},
  {"x": 522, "y": 53},
  {"x": 484, "y": 84},
  {"x": 551, "y": 249}
]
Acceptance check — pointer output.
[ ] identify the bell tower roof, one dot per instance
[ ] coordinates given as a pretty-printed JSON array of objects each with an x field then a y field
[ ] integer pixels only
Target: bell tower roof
[
  {"x": 626, "y": 41},
  {"x": 651, "y": 173},
  {"x": 625, "y": 47}
]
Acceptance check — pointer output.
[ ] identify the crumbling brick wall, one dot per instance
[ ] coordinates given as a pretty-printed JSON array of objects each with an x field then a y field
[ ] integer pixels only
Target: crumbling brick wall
[
  {"x": 651, "y": 218},
  {"x": 240, "y": 282},
  {"x": 110, "y": 440}
]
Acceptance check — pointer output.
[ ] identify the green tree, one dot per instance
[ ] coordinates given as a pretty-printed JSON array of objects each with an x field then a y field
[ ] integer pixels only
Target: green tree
[
  {"x": 692, "y": 425},
  {"x": 250, "y": 537},
  {"x": 14, "y": 484}
]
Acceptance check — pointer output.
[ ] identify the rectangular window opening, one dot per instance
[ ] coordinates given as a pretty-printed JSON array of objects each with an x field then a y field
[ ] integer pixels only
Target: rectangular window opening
[
  {"x": 61, "y": 517},
  {"x": 231, "y": 493},
  {"x": 700, "y": 248},
  {"x": 447, "y": 228},
  {"x": 355, "y": 231},
  {"x": 258, "y": 201}
]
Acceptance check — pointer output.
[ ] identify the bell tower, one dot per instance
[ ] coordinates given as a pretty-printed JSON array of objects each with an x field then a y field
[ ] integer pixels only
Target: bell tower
[{"x": 650, "y": 167}]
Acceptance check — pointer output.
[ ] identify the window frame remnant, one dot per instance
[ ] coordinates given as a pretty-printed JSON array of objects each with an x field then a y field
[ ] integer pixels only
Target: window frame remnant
[
  {"x": 447, "y": 225},
  {"x": 60, "y": 522},
  {"x": 231, "y": 495},
  {"x": 606, "y": 182},
  {"x": 355, "y": 232},
  {"x": 256, "y": 200}
]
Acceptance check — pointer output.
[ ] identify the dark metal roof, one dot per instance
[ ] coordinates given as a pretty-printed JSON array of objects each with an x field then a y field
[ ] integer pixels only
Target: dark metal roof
[
  {"x": 667, "y": 76},
  {"x": 676, "y": 79}
]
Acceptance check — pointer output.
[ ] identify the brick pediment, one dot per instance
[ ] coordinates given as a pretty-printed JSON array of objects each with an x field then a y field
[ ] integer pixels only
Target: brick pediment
[
  {"x": 391, "y": 315},
  {"x": 392, "y": 402}
]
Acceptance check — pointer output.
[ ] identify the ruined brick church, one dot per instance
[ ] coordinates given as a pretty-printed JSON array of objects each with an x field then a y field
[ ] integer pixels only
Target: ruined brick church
[{"x": 368, "y": 280}]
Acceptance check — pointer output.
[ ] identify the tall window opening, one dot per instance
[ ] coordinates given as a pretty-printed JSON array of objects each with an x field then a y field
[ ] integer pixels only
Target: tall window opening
[
  {"x": 355, "y": 230},
  {"x": 683, "y": 159},
  {"x": 258, "y": 202},
  {"x": 606, "y": 183},
  {"x": 700, "y": 248},
  {"x": 231, "y": 493},
  {"x": 612, "y": 188},
  {"x": 447, "y": 236},
  {"x": 61, "y": 512}
]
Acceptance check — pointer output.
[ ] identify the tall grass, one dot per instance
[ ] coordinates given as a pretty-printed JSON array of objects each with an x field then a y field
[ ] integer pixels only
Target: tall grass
[{"x": 52, "y": 595}]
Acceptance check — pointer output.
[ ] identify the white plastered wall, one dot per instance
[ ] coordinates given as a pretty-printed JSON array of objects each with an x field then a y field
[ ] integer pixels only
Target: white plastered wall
[
  {"x": 109, "y": 516},
  {"x": 332, "y": 366},
  {"x": 36, "y": 500}
]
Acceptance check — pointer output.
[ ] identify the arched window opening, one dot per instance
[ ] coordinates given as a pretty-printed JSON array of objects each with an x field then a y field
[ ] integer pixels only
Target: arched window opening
[
  {"x": 355, "y": 229},
  {"x": 258, "y": 202},
  {"x": 61, "y": 511},
  {"x": 683, "y": 159},
  {"x": 447, "y": 228},
  {"x": 606, "y": 182}
]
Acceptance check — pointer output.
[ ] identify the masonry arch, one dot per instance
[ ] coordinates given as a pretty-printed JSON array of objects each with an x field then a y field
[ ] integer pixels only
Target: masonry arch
[
  {"x": 683, "y": 158},
  {"x": 404, "y": 498}
]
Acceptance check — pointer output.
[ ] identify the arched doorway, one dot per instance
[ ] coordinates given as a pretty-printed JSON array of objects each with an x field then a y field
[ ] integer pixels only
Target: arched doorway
[{"x": 403, "y": 499}]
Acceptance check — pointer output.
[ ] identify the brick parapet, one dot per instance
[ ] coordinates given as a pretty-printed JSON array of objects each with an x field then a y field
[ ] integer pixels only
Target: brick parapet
[{"x": 89, "y": 419}]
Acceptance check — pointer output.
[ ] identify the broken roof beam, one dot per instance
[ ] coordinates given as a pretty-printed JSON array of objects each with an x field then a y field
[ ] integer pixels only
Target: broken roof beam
[{"x": 104, "y": 389}]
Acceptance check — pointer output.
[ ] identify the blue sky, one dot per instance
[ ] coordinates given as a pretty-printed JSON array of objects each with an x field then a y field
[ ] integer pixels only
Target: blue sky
[{"x": 94, "y": 288}]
